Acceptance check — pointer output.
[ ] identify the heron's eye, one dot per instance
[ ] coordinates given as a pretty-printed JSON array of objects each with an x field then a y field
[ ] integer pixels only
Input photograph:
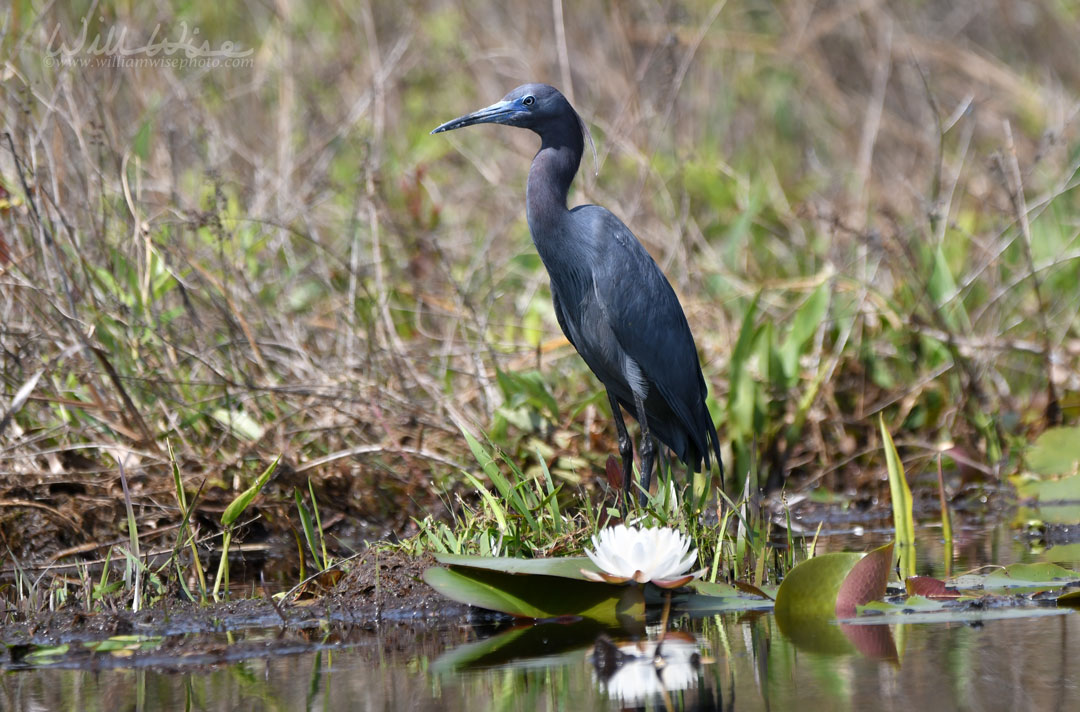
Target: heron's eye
[{"x": 528, "y": 101}]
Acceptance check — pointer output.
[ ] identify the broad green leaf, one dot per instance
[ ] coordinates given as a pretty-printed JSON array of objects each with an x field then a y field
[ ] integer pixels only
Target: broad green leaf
[
  {"x": 741, "y": 395},
  {"x": 1055, "y": 452},
  {"x": 1058, "y": 489},
  {"x": 804, "y": 325},
  {"x": 238, "y": 505},
  {"x": 537, "y": 596}
]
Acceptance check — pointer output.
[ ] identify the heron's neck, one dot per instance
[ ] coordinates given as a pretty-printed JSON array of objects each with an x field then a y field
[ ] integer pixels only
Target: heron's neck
[{"x": 552, "y": 172}]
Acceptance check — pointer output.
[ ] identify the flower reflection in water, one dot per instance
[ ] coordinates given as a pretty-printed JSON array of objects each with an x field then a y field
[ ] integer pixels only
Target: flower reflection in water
[{"x": 634, "y": 672}]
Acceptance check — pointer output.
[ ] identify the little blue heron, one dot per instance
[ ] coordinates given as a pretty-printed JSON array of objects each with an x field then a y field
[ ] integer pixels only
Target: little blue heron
[{"x": 611, "y": 299}]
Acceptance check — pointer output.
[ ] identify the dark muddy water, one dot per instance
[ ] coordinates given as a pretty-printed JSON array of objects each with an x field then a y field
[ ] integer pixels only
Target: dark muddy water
[
  {"x": 729, "y": 662},
  {"x": 742, "y": 663}
]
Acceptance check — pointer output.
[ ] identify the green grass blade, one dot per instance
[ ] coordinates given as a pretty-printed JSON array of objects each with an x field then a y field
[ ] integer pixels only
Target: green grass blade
[
  {"x": 318, "y": 525},
  {"x": 903, "y": 518},
  {"x": 309, "y": 533}
]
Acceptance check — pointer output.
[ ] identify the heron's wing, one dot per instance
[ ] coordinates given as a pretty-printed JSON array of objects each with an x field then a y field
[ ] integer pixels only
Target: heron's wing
[
  {"x": 647, "y": 320},
  {"x": 560, "y": 316}
]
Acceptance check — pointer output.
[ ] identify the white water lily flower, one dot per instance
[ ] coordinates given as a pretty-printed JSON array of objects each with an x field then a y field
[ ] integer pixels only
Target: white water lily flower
[{"x": 660, "y": 556}]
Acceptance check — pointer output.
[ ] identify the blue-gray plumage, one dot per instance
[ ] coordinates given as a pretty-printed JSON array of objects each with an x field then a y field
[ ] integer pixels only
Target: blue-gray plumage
[{"x": 611, "y": 299}]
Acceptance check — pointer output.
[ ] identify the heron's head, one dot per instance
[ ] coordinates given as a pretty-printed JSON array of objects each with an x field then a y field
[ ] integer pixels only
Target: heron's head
[{"x": 530, "y": 106}]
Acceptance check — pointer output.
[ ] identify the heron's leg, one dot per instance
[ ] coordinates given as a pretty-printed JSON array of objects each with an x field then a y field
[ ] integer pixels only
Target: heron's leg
[
  {"x": 647, "y": 449},
  {"x": 626, "y": 448}
]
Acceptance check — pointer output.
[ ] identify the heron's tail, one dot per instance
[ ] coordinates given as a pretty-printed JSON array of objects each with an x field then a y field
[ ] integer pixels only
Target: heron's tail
[{"x": 714, "y": 443}]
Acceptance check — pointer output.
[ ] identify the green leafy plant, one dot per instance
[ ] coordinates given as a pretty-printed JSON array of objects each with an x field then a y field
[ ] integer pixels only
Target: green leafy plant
[{"x": 228, "y": 519}]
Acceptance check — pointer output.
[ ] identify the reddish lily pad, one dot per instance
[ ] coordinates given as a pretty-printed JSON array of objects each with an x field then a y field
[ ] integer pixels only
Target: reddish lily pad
[
  {"x": 929, "y": 587},
  {"x": 865, "y": 582}
]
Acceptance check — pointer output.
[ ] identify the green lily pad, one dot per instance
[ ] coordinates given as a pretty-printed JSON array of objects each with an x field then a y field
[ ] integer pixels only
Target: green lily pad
[
  {"x": 1017, "y": 578},
  {"x": 1067, "y": 514},
  {"x": 815, "y": 634},
  {"x": 1030, "y": 575},
  {"x": 708, "y": 588},
  {"x": 912, "y": 604},
  {"x": 537, "y": 596},
  {"x": 1058, "y": 489},
  {"x": 917, "y": 609},
  {"x": 1064, "y": 552},
  {"x": 541, "y": 643},
  {"x": 706, "y": 597},
  {"x": 1055, "y": 452},
  {"x": 1071, "y": 599},
  {"x": 564, "y": 567}
]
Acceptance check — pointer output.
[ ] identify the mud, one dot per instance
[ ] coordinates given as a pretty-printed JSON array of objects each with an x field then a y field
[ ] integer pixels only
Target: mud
[{"x": 381, "y": 600}]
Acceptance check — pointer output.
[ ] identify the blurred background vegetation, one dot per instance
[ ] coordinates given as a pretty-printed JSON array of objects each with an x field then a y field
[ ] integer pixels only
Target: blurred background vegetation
[{"x": 866, "y": 208}]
